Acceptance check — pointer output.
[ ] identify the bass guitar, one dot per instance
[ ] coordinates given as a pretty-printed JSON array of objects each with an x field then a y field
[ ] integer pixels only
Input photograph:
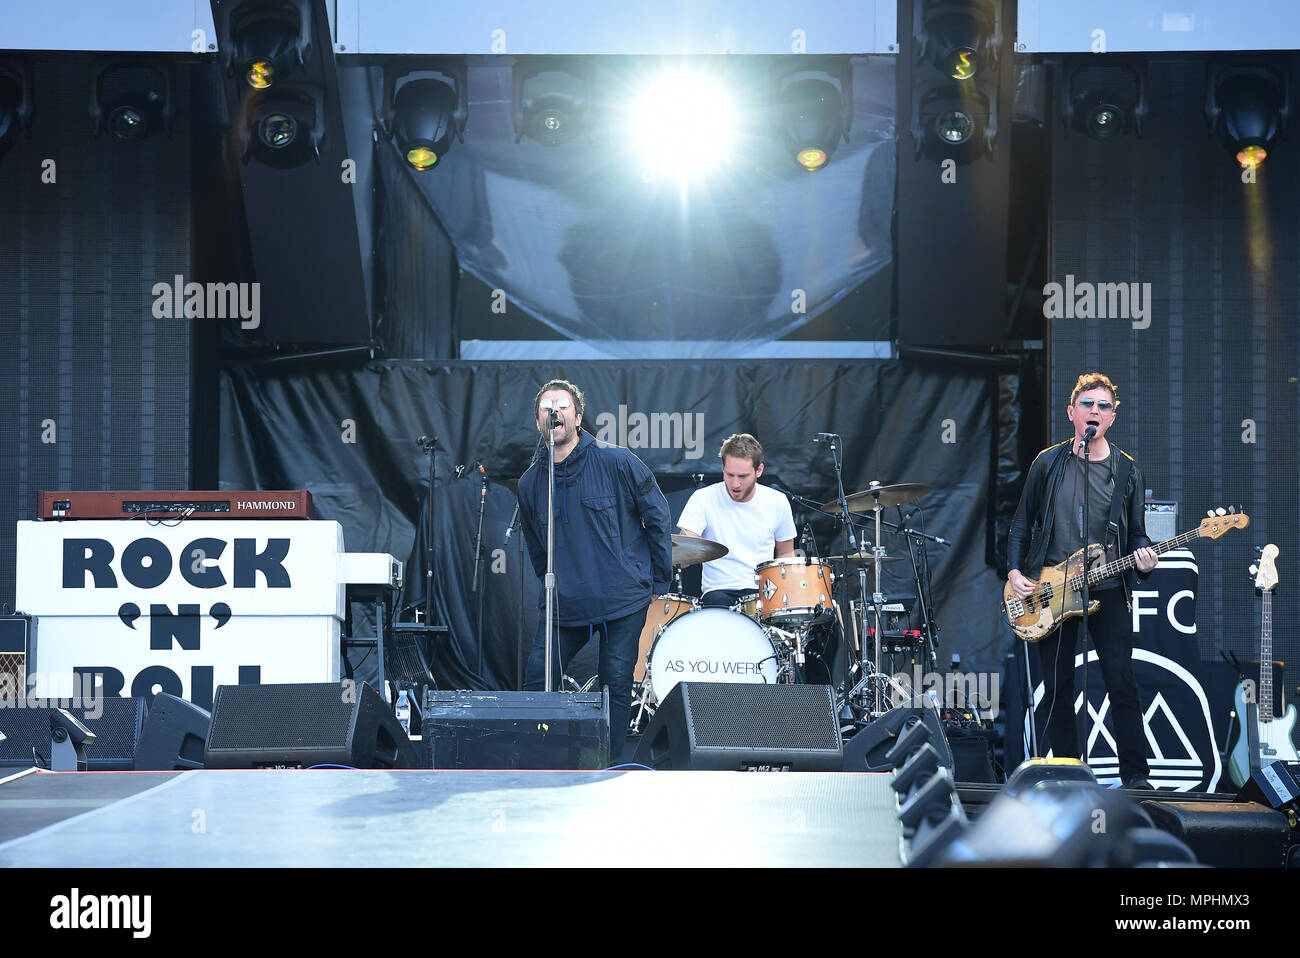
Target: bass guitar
[{"x": 1058, "y": 596}]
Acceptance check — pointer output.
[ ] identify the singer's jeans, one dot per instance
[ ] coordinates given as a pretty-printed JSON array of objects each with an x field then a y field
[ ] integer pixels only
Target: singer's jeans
[
  {"x": 1112, "y": 636},
  {"x": 619, "y": 645}
]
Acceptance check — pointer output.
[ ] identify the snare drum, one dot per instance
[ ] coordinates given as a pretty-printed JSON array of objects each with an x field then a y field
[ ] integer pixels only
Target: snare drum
[
  {"x": 712, "y": 645},
  {"x": 747, "y": 605},
  {"x": 794, "y": 590},
  {"x": 663, "y": 610}
]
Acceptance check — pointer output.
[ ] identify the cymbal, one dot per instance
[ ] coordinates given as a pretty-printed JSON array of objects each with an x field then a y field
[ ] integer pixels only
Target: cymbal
[
  {"x": 860, "y": 558},
  {"x": 886, "y": 496},
  {"x": 689, "y": 550}
]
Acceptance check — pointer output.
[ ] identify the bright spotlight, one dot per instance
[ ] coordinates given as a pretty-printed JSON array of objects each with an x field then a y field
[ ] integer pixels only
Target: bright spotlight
[{"x": 682, "y": 124}]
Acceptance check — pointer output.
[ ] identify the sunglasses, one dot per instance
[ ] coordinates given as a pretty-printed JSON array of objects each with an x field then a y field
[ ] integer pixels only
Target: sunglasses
[
  {"x": 1105, "y": 405},
  {"x": 561, "y": 403}
]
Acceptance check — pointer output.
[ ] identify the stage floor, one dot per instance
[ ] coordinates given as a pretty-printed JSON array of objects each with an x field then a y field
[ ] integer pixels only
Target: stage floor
[{"x": 345, "y": 818}]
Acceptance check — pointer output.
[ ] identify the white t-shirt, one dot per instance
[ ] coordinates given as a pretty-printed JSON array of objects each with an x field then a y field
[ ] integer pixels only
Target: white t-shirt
[{"x": 750, "y": 530}]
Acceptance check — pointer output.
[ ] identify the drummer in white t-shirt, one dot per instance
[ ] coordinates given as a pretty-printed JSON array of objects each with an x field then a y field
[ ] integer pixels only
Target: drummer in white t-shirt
[{"x": 754, "y": 522}]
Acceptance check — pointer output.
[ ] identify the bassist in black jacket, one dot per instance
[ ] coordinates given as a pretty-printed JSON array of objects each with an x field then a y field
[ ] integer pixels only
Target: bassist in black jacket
[{"x": 1048, "y": 528}]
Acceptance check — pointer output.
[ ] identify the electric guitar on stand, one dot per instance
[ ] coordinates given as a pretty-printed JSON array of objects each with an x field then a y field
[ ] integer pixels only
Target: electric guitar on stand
[
  {"x": 1263, "y": 738},
  {"x": 1058, "y": 596}
]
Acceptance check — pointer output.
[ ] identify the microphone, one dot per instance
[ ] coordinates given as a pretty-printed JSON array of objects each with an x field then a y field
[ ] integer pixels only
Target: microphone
[
  {"x": 1089, "y": 433},
  {"x": 825, "y": 437}
]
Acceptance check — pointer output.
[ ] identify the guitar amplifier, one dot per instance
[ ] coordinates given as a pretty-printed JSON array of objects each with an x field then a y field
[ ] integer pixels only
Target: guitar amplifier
[{"x": 1162, "y": 519}]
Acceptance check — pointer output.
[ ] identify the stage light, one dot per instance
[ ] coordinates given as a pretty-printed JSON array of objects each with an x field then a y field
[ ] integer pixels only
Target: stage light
[
  {"x": 1248, "y": 105},
  {"x": 549, "y": 99},
  {"x": 1104, "y": 101},
  {"x": 812, "y": 121},
  {"x": 425, "y": 113},
  {"x": 282, "y": 129},
  {"x": 260, "y": 74},
  {"x": 813, "y": 100},
  {"x": 277, "y": 131},
  {"x": 420, "y": 158},
  {"x": 681, "y": 124},
  {"x": 953, "y": 125},
  {"x": 960, "y": 37},
  {"x": 1252, "y": 157},
  {"x": 956, "y": 54},
  {"x": 269, "y": 42},
  {"x": 131, "y": 98},
  {"x": 425, "y": 121},
  {"x": 962, "y": 63}
]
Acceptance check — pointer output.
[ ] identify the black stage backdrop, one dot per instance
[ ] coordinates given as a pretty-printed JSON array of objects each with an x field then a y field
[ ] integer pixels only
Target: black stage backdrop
[
  {"x": 94, "y": 390},
  {"x": 348, "y": 436},
  {"x": 1209, "y": 388}
]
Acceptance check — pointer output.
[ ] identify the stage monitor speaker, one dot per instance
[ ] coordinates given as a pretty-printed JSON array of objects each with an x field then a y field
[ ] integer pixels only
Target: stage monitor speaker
[
  {"x": 304, "y": 725},
  {"x": 508, "y": 730},
  {"x": 866, "y": 751},
  {"x": 174, "y": 735},
  {"x": 116, "y": 722},
  {"x": 972, "y": 755},
  {"x": 740, "y": 727},
  {"x": 1276, "y": 785},
  {"x": 1225, "y": 834}
]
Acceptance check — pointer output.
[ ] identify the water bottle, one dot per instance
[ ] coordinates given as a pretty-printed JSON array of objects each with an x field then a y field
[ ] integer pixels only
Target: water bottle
[{"x": 404, "y": 711}]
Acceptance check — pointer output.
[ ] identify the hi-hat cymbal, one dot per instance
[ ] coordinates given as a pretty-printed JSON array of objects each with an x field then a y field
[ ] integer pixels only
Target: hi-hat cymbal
[
  {"x": 885, "y": 496},
  {"x": 860, "y": 558},
  {"x": 689, "y": 550}
]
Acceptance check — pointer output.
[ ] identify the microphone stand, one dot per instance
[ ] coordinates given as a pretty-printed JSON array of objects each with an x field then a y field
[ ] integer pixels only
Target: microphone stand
[
  {"x": 922, "y": 590},
  {"x": 478, "y": 561},
  {"x": 1087, "y": 456},
  {"x": 520, "y": 658},
  {"x": 429, "y": 445},
  {"x": 554, "y": 421}
]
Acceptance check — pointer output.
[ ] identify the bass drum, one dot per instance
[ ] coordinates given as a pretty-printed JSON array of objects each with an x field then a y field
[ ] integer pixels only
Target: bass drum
[
  {"x": 663, "y": 610},
  {"x": 713, "y": 645}
]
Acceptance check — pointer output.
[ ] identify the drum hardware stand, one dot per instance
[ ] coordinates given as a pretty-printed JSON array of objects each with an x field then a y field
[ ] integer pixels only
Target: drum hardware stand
[{"x": 930, "y": 629}]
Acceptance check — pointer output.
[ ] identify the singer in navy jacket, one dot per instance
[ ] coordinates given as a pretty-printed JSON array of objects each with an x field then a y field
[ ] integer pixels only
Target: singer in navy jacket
[{"x": 613, "y": 541}]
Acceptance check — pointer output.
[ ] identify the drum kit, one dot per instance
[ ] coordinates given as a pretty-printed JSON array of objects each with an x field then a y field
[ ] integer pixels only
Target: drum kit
[{"x": 765, "y": 635}]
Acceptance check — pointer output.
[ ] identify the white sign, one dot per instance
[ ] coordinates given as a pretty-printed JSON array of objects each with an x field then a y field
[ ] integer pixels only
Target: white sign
[{"x": 182, "y": 608}]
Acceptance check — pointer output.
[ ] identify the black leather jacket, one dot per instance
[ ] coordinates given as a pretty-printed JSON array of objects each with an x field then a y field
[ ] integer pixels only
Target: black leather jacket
[{"x": 1032, "y": 526}]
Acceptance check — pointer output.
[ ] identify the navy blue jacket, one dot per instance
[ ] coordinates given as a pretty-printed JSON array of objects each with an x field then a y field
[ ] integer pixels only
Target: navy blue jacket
[{"x": 613, "y": 532}]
